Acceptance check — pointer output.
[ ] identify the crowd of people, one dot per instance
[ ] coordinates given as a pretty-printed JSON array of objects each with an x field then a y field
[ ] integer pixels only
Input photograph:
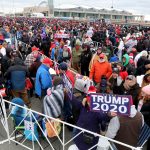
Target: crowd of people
[{"x": 37, "y": 54}]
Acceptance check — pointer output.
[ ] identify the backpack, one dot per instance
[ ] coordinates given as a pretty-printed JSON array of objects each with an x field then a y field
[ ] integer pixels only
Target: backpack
[
  {"x": 53, "y": 129},
  {"x": 31, "y": 128}
]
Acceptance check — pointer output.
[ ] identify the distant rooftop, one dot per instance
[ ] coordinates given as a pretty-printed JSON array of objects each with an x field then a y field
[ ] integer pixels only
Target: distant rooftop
[{"x": 71, "y": 6}]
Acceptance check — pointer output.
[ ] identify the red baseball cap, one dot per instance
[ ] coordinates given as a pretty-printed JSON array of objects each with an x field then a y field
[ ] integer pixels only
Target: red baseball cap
[
  {"x": 102, "y": 56},
  {"x": 34, "y": 48},
  {"x": 47, "y": 61}
]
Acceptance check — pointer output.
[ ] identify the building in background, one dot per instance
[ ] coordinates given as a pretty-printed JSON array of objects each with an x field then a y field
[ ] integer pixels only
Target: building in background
[{"x": 82, "y": 12}]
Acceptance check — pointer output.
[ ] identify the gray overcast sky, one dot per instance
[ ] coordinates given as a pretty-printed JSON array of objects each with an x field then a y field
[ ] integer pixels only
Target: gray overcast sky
[{"x": 135, "y": 6}]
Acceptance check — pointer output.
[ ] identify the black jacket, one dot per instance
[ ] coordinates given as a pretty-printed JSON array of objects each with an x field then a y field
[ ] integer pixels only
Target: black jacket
[
  {"x": 86, "y": 58},
  {"x": 145, "y": 110},
  {"x": 134, "y": 92}
]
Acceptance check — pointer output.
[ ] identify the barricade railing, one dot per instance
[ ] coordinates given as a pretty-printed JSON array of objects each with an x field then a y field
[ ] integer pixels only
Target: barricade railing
[{"x": 63, "y": 140}]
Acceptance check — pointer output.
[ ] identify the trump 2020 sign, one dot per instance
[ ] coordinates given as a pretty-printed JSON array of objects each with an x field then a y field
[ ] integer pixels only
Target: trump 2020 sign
[{"x": 111, "y": 103}]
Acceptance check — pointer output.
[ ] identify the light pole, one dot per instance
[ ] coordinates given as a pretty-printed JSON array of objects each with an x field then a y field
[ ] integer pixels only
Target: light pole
[{"x": 112, "y": 4}]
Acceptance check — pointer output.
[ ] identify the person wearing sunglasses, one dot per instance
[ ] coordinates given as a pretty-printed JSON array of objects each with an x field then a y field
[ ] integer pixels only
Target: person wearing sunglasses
[{"x": 131, "y": 87}]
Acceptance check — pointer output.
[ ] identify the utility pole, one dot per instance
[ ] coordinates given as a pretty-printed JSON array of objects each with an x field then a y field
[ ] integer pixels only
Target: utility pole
[
  {"x": 112, "y": 4},
  {"x": 50, "y": 8}
]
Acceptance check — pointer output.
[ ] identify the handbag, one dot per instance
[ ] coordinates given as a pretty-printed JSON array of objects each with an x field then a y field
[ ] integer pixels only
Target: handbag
[
  {"x": 3, "y": 92},
  {"x": 29, "y": 84},
  {"x": 53, "y": 128},
  {"x": 88, "y": 138}
]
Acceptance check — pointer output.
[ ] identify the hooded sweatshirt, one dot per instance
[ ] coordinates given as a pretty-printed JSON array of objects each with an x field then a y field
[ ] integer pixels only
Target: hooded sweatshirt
[
  {"x": 129, "y": 67},
  {"x": 126, "y": 56}
]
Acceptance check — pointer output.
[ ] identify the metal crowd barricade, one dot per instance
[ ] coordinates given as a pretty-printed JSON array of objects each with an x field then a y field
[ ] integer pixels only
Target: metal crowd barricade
[{"x": 63, "y": 142}]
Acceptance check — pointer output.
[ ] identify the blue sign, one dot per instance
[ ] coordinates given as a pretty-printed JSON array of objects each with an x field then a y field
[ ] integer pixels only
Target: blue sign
[
  {"x": 120, "y": 104},
  {"x": 68, "y": 86}
]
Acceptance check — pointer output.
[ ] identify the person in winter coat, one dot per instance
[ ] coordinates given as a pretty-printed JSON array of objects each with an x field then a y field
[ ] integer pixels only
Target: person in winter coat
[
  {"x": 85, "y": 60},
  {"x": 76, "y": 55},
  {"x": 126, "y": 129},
  {"x": 100, "y": 68},
  {"x": 17, "y": 75},
  {"x": 114, "y": 82},
  {"x": 122, "y": 71},
  {"x": 131, "y": 43},
  {"x": 95, "y": 57},
  {"x": 63, "y": 67},
  {"x": 146, "y": 79},
  {"x": 88, "y": 120},
  {"x": 53, "y": 102},
  {"x": 6, "y": 60},
  {"x": 143, "y": 53},
  {"x": 57, "y": 53},
  {"x": 140, "y": 70},
  {"x": 147, "y": 65},
  {"x": 31, "y": 57},
  {"x": 130, "y": 68},
  {"x": 66, "y": 54},
  {"x": 144, "y": 107},
  {"x": 130, "y": 87},
  {"x": 43, "y": 79},
  {"x": 34, "y": 67}
]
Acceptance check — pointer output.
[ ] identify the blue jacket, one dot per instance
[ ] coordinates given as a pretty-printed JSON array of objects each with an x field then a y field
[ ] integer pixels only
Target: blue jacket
[
  {"x": 53, "y": 54},
  {"x": 17, "y": 75},
  {"x": 59, "y": 56},
  {"x": 43, "y": 79}
]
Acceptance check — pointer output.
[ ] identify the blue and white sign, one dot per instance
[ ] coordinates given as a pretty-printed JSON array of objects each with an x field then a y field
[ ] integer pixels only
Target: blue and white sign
[
  {"x": 111, "y": 103},
  {"x": 68, "y": 86}
]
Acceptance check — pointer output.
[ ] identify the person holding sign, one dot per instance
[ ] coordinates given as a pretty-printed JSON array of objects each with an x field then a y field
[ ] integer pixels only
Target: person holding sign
[
  {"x": 126, "y": 129},
  {"x": 130, "y": 87},
  {"x": 88, "y": 120}
]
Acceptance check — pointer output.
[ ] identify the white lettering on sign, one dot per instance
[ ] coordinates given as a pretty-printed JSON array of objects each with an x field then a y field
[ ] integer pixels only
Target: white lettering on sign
[
  {"x": 116, "y": 100},
  {"x": 125, "y": 100},
  {"x": 114, "y": 103}
]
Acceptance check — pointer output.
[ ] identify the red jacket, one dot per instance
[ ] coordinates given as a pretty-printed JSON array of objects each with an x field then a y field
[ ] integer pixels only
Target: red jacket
[
  {"x": 123, "y": 74},
  {"x": 71, "y": 77},
  {"x": 99, "y": 69}
]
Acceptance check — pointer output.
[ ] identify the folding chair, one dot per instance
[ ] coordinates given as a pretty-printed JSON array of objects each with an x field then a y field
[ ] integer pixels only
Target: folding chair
[
  {"x": 19, "y": 129},
  {"x": 17, "y": 116},
  {"x": 144, "y": 135}
]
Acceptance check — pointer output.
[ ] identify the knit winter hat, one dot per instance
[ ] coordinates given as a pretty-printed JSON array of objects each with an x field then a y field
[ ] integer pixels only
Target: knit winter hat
[
  {"x": 57, "y": 81},
  {"x": 63, "y": 66},
  {"x": 78, "y": 42},
  {"x": 131, "y": 55},
  {"x": 34, "y": 48},
  {"x": 146, "y": 89},
  {"x": 92, "y": 89}
]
